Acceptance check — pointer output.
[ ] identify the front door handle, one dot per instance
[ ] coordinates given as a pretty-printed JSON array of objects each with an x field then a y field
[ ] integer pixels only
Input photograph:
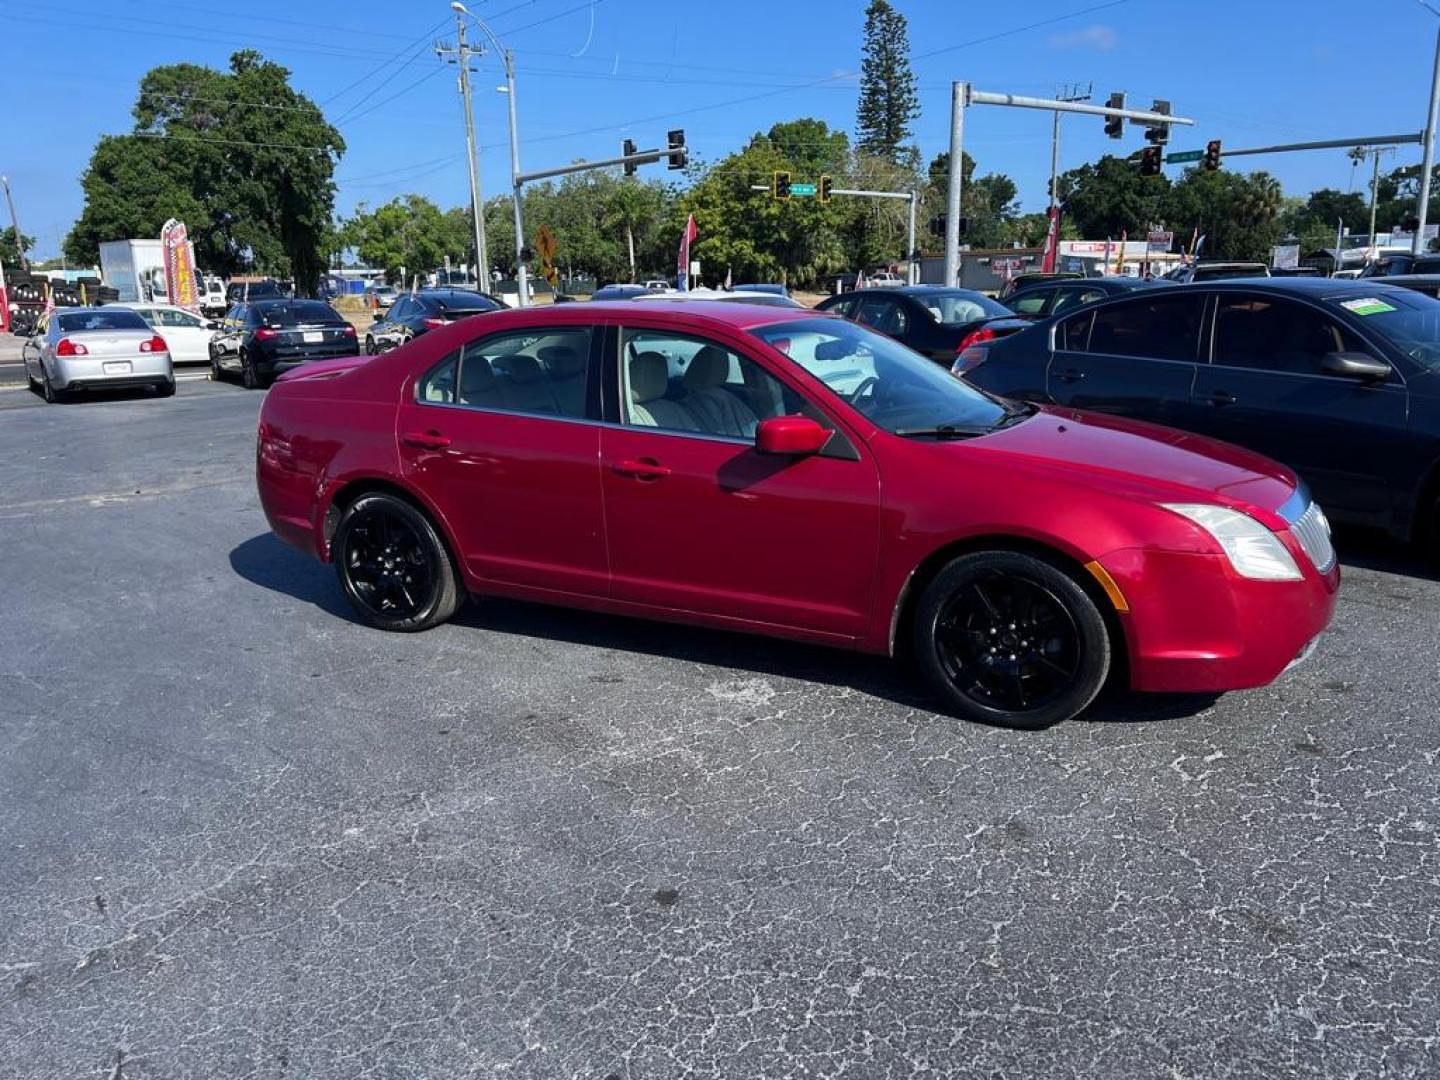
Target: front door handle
[
  {"x": 643, "y": 469},
  {"x": 426, "y": 440},
  {"x": 1220, "y": 398},
  {"x": 1070, "y": 375}
]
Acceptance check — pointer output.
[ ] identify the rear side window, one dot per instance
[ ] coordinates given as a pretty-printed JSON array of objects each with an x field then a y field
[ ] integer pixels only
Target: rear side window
[
  {"x": 544, "y": 372},
  {"x": 1031, "y": 303},
  {"x": 1073, "y": 334},
  {"x": 1156, "y": 328}
]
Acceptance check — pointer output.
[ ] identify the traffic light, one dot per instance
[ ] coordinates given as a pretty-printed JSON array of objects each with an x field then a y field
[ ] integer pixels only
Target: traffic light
[
  {"x": 675, "y": 140},
  {"x": 628, "y": 149},
  {"x": 937, "y": 225},
  {"x": 827, "y": 185},
  {"x": 780, "y": 186},
  {"x": 1150, "y": 161},
  {"x": 1114, "y": 125},
  {"x": 1159, "y": 134},
  {"x": 1211, "y": 161}
]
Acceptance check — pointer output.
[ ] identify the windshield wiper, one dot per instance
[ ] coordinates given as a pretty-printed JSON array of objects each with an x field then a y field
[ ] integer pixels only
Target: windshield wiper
[
  {"x": 1015, "y": 412},
  {"x": 941, "y": 431}
]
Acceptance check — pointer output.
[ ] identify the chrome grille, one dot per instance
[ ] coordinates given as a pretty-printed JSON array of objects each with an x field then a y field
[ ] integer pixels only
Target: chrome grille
[{"x": 1313, "y": 532}]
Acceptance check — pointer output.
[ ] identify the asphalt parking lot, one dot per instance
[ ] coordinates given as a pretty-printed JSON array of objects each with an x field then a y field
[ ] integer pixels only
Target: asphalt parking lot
[{"x": 246, "y": 837}]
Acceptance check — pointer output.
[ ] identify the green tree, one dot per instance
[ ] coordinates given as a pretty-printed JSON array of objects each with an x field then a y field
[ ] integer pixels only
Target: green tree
[
  {"x": 1109, "y": 196},
  {"x": 10, "y": 254},
  {"x": 239, "y": 155},
  {"x": 409, "y": 235},
  {"x": 888, "y": 98},
  {"x": 1238, "y": 213},
  {"x": 633, "y": 209}
]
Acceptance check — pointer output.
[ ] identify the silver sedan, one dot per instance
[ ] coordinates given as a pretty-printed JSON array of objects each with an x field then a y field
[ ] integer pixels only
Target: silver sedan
[{"x": 110, "y": 348}]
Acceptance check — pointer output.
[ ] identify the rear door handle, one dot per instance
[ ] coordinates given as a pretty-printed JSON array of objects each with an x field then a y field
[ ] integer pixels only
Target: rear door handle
[
  {"x": 1220, "y": 399},
  {"x": 644, "y": 469},
  {"x": 426, "y": 440},
  {"x": 1070, "y": 375}
]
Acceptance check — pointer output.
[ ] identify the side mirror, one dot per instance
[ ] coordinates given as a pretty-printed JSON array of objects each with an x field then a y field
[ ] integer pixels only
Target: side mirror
[
  {"x": 796, "y": 436},
  {"x": 212, "y": 325},
  {"x": 1355, "y": 365}
]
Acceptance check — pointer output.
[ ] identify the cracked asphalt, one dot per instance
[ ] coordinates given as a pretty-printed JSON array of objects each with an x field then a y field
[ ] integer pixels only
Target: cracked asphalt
[{"x": 242, "y": 836}]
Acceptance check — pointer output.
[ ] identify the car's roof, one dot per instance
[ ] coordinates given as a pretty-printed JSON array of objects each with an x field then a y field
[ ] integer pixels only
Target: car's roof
[
  {"x": 736, "y": 314},
  {"x": 919, "y": 290},
  {"x": 1400, "y": 279}
]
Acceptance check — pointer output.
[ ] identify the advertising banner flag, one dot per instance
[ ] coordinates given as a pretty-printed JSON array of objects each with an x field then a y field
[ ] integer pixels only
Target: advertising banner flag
[{"x": 180, "y": 283}]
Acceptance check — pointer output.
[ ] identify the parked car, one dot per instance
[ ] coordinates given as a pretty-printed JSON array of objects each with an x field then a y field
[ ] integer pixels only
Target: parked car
[
  {"x": 883, "y": 279},
  {"x": 1390, "y": 264},
  {"x": 416, "y": 313},
  {"x": 772, "y": 288},
  {"x": 794, "y": 474},
  {"x": 212, "y": 298},
  {"x": 1051, "y": 297},
  {"x": 239, "y": 292},
  {"x": 658, "y": 285},
  {"x": 1426, "y": 284},
  {"x": 765, "y": 299},
  {"x": 381, "y": 296},
  {"x": 261, "y": 339},
  {"x": 1340, "y": 380},
  {"x": 619, "y": 292},
  {"x": 187, "y": 335},
  {"x": 1035, "y": 277},
  {"x": 106, "y": 348},
  {"x": 1217, "y": 271},
  {"x": 935, "y": 321}
]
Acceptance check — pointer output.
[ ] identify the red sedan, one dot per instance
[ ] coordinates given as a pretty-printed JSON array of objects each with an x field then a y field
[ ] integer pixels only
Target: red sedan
[{"x": 795, "y": 474}]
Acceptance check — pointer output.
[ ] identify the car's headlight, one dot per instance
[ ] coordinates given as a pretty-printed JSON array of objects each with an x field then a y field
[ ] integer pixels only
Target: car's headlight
[{"x": 1253, "y": 550}]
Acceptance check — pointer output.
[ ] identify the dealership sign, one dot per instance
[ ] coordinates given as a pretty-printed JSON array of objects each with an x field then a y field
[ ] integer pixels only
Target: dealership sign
[{"x": 180, "y": 282}]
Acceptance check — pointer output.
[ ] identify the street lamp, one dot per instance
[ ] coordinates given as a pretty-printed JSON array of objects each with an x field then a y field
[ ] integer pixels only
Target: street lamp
[
  {"x": 522, "y": 288},
  {"x": 1417, "y": 244}
]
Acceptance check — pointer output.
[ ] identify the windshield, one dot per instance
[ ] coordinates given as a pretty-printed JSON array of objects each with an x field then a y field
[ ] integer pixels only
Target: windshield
[
  {"x": 892, "y": 386},
  {"x": 954, "y": 307},
  {"x": 296, "y": 312},
  {"x": 109, "y": 319},
  {"x": 1408, "y": 320}
]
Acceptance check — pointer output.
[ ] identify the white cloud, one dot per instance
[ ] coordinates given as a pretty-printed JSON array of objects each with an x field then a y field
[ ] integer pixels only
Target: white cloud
[{"x": 1097, "y": 37}]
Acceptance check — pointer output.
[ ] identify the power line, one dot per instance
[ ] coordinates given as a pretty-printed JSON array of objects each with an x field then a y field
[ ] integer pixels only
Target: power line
[
  {"x": 414, "y": 55},
  {"x": 350, "y": 119},
  {"x": 228, "y": 142},
  {"x": 421, "y": 40}
]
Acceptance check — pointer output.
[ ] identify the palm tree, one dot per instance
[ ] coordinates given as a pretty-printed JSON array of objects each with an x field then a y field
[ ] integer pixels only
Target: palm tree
[{"x": 628, "y": 206}]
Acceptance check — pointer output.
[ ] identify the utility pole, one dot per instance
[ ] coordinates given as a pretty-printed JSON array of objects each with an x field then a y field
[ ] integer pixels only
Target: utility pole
[
  {"x": 522, "y": 280},
  {"x": 1374, "y": 152},
  {"x": 463, "y": 52},
  {"x": 1422, "y": 212},
  {"x": 1069, "y": 93},
  {"x": 15, "y": 224}
]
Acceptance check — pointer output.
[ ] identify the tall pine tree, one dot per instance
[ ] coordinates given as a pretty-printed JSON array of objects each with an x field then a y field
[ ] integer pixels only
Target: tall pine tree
[{"x": 888, "y": 101}]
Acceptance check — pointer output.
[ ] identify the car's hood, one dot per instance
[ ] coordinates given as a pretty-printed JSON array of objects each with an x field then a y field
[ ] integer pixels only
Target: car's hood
[{"x": 1129, "y": 457}]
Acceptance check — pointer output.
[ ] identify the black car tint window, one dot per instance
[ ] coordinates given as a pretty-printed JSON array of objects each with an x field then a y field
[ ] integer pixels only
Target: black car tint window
[
  {"x": 1073, "y": 334},
  {"x": 1275, "y": 335},
  {"x": 1031, "y": 303},
  {"x": 872, "y": 312},
  {"x": 1158, "y": 328}
]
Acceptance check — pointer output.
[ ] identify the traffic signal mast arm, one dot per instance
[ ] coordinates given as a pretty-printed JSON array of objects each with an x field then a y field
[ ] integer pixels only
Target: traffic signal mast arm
[
  {"x": 982, "y": 97},
  {"x": 642, "y": 157}
]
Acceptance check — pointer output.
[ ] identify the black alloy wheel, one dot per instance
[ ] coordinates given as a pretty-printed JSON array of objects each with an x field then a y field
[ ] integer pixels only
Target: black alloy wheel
[
  {"x": 393, "y": 565},
  {"x": 1011, "y": 640}
]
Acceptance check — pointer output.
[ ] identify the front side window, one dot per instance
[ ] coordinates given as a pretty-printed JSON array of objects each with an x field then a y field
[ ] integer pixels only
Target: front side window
[
  {"x": 683, "y": 383},
  {"x": 1275, "y": 335},
  {"x": 894, "y": 387},
  {"x": 526, "y": 371},
  {"x": 177, "y": 318},
  {"x": 1072, "y": 298},
  {"x": 1156, "y": 328}
]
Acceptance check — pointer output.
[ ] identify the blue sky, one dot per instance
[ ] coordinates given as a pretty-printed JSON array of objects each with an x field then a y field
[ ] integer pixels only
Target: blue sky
[{"x": 1251, "y": 72}]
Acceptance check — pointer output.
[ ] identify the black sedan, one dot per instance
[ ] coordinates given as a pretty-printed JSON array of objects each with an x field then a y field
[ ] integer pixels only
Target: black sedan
[
  {"x": 1338, "y": 379},
  {"x": 414, "y": 313},
  {"x": 1043, "y": 299},
  {"x": 260, "y": 339},
  {"x": 935, "y": 321}
]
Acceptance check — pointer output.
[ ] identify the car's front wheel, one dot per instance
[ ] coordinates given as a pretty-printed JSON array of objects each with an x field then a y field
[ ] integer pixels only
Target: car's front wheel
[
  {"x": 393, "y": 566},
  {"x": 369, "y": 345},
  {"x": 1009, "y": 639}
]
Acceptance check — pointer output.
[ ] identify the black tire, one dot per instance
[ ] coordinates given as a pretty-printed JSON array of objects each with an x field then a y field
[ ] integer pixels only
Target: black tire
[
  {"x": 48, "y": 391},
  {"x": 248, "y": 375},
  {"x": 1011, "y": 640},
  {"x": 393, "y": 566},
  {"x": 165, "y": 389},
  {"x": 215, "y": 373},
  {"x": 369, "y": 345}
]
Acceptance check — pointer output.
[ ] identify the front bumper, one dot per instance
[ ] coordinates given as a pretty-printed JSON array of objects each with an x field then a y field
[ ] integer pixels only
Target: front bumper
[{"x": 1196, "y": 626}]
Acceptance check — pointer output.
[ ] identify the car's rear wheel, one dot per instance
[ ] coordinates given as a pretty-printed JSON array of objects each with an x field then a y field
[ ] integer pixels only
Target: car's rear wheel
[
  {"x": 1012, "y": 640},
  {"x": 48, "y": 391},
  {"x": 369, "y": 345},
  {"x": 165, "y": 389},
  {"x": 249, "y": 377},
  {"x": 393, "y": 566}
]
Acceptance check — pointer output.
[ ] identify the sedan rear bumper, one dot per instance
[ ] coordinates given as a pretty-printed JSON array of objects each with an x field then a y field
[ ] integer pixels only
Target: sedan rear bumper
[
  {"x": 1195, "y": 626},
  {"x": 89, "y": 372}
]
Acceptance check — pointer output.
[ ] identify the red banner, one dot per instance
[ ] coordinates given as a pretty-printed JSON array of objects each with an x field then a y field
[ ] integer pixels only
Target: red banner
[
  {"x": 682, "y": 264},
  {"x": 180, "y": 282},
  {"x": 1052, "y": 241},
  {"x": 4, "y": 303}
]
